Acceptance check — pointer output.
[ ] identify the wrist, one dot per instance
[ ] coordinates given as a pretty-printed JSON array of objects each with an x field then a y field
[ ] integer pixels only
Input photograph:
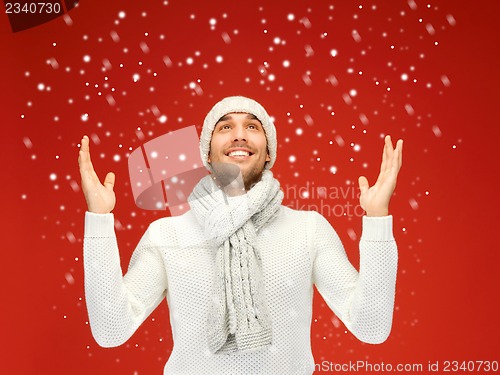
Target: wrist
[{"x": 377, "y": 213}]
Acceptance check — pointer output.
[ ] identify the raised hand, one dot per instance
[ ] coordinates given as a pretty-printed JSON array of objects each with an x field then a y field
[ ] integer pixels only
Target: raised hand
[
  {"x": 375, "y": 200},
  {"x": 100, "y": 198}
]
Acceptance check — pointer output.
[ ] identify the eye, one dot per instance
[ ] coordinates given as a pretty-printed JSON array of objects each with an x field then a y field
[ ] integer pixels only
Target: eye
[
  {"x": 225, "y": 127},
  {"x": 252, "y": 126}
]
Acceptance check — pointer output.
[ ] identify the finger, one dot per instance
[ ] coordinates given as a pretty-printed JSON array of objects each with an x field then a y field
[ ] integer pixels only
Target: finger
[
  {"x": 109, "y": 181},
  {"x": 84, "y": 149},
  {"x": 388, "y": 141},
  {"x": 390, "y": 153},
  {"x": 84, "y": 155},
  {"x": 84, "y": 145},
  {"x": 397, "y": 157},
  {"x": 363, "y": 184},
  {"x": 399, "y": 146},
  {"x": 395, "y": 163},
  {"x": 384, "y": 161}
]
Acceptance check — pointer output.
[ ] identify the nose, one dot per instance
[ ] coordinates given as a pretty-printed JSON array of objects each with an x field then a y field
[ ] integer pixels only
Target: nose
[{"x": 239, "y": 134}]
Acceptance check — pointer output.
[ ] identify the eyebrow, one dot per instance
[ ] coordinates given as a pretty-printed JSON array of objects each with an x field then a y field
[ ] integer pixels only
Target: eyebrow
[{"x": 228, "y": 117}]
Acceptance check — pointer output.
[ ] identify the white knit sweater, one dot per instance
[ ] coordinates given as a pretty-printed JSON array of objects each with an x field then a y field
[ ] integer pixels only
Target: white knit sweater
[{"x": 298, "y": 249}]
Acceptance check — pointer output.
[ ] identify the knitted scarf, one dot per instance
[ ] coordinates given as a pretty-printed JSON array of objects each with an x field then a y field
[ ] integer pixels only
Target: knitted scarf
[{"x": 238, "y": 317}]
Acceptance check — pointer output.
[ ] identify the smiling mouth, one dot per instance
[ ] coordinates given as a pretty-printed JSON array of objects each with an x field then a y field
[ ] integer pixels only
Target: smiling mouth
[{"x": 239, "y": 154}]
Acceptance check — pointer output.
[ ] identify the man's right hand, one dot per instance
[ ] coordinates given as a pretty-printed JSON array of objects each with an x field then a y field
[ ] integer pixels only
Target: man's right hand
[{"x": 100, "y": 198}]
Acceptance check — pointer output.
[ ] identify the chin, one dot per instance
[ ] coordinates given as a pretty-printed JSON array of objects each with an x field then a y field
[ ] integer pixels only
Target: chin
[{"x": 252, "y": 176}]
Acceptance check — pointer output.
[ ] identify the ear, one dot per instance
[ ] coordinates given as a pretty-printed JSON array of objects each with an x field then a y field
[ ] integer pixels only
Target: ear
[
  {"x": 208, "y": 159},
  {"x": 268, "y": 158}
]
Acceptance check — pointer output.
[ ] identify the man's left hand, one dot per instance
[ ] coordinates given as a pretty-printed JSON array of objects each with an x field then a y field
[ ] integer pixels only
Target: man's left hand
[{"x": 375, "y": 200}]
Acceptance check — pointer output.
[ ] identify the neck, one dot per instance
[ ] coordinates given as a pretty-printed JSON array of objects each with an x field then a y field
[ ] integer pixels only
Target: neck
[
  {"x": 231, "y": 185},
  {"x": 233, "y": 191}
]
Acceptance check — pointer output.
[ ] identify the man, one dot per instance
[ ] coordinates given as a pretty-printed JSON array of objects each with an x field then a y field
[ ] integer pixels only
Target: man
[{"x": 238, "y": 269}]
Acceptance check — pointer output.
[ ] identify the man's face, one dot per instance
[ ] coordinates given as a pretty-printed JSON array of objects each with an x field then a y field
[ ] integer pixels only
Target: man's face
[{"x": 240, "y": 139}]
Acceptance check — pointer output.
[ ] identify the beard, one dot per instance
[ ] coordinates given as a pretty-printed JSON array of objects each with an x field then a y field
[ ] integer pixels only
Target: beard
[
  {"x": 231, "y": 179},
  {"x": 251, "y": 177}
]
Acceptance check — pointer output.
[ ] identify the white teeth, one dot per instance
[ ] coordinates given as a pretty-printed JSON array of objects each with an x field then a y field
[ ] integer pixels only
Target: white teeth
[{"x": 239, "y": 153}]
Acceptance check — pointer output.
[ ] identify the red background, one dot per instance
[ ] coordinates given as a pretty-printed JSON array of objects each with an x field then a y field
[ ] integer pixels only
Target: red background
[{"x": 447, "y": 288}]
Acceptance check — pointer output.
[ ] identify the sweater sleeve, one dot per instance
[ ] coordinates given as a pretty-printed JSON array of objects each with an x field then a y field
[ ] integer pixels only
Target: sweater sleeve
[
  {"x": 117, "y": 305},
  {"x": 364, "y": 300}
]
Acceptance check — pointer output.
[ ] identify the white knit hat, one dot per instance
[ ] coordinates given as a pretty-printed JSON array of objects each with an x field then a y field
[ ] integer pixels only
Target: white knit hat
[{"x": 237, "y": 104}]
